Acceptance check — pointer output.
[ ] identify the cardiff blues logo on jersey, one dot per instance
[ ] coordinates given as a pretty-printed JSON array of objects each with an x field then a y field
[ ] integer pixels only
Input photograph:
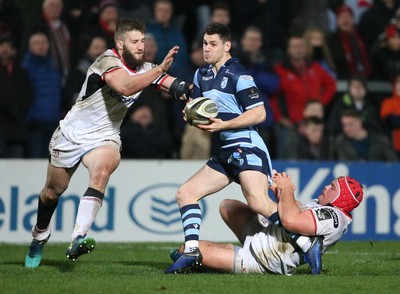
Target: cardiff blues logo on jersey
[
  {"x": 162, "y": 214},
  {"x": 224, "y": 82},
  {"x": 236, "y": 155}
]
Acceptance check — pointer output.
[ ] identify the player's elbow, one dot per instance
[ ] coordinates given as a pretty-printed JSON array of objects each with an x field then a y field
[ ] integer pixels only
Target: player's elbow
[
  {"x": 126, "y": 91},
  {"x": 289, "y": 223},
  {"x": 261, "y": 114},
  {"x": 120, "y": 82}
]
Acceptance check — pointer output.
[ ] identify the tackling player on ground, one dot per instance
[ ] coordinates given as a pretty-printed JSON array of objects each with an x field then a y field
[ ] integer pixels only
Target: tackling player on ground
[
  {"x": 89, "y": 133},
  {"x": 269, "y": 248},
  {"x": 243, "y": 156}
]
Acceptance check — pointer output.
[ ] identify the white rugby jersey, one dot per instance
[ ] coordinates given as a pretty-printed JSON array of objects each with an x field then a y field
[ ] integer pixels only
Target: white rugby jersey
[
  {"x": 275, "y": 250},
  {"x": 99, "y": 110}
]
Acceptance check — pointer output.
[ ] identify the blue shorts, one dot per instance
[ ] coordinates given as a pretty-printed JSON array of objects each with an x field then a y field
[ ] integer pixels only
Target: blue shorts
[{"x": 232, "y": 161}]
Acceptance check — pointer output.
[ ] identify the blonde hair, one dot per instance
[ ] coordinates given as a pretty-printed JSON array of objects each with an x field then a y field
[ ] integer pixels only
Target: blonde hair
[{"x": 325, "y": 49}]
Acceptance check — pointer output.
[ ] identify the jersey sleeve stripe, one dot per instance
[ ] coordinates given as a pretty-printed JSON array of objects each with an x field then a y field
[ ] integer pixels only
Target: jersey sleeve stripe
[
  {"x": 110, "y": 70},
  {"x": 254, "y": 105},
  {"x": 162, "y": 81}
]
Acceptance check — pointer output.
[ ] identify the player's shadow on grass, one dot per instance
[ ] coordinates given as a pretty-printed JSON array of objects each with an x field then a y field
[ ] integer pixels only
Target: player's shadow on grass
[
  {"x": 162, "y": 266},
  {"x": 150, "y": 264},
  {"x": 63, "y": 266},
  {"x": 303, "y": 271}
]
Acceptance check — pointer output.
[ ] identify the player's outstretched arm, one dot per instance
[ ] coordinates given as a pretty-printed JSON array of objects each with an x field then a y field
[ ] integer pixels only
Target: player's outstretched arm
[
  {"x": 293, "y": 219},
  {"x": 127, "y": 85},
  {"x": 177, "y": 88},
  {"x": 171, "y": 85}
]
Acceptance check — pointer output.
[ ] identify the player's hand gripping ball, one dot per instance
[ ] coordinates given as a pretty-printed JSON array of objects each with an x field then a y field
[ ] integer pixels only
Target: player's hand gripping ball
[{"x": 198, "y": 110}]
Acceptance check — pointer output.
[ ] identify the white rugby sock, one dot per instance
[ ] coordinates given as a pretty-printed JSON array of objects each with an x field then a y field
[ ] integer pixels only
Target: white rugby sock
[
  {"x": 304, "y": 242},
  {"x": 191, "y": 246},
  {"x": 40, "y": 235},
  {"x": 87, "y": 212}
]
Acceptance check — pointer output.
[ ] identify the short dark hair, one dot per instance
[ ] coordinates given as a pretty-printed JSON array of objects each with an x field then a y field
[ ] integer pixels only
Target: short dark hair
[
  {"x": 313, "y": 120},
  {"x": 127, "y": 25},
  {"x": 163, "y": 1},
  {"x": 218, "y": 29},
  {"x": 252, "y": 28},
  {"x": 39, "y": 32},
  {"x": 351, "y": 112},
  {"x": 5, "y": 38},
  {"x": 360, "y": 78},
  {"x": 223, "y": 5}
]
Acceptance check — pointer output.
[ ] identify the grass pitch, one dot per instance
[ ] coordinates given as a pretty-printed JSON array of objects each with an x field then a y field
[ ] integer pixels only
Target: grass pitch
[{"x": 349, "y": 267}]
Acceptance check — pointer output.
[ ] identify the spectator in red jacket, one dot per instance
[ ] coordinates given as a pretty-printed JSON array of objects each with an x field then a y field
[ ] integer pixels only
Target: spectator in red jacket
[
  {"x": 390, "y": 115},
  {"x": 300, "y": 81}
]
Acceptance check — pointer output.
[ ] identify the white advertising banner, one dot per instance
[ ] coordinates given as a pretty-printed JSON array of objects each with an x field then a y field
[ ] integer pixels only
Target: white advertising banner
[{"x": 139, "y": 203}]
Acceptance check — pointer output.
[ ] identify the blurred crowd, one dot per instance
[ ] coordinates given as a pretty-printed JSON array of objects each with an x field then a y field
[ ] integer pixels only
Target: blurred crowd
[{"x": 296, "y": 50}]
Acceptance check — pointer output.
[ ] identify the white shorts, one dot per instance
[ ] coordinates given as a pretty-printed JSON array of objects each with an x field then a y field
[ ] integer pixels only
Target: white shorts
[
  {"x": 267, "y": 248},
  {"x": 64, "y": 153},
  {"x": 244, "y": 261}
]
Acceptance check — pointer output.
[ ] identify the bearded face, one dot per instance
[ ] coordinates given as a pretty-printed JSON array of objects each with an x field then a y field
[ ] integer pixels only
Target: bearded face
[{"x": 130, "y": 59}]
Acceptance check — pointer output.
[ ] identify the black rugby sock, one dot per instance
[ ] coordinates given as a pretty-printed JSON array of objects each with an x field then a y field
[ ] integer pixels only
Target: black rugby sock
[{"x": 45, "y": 212}]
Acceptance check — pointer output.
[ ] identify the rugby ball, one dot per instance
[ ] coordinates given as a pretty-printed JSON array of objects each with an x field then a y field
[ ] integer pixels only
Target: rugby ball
[{"x": 198, "y": 110}]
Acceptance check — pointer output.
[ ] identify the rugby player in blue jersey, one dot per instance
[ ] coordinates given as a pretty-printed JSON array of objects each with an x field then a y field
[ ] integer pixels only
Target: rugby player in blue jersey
[{"x": 243, "y": 156}]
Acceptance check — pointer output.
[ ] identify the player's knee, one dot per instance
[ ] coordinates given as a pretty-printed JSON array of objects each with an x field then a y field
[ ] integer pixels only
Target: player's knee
[
  {"x": 180, "y": 195},
  {"x": 50, "y": 195},
  {"x": 257, "y": 207},
  {"x": 101, "y": 175},
  {"x": 104, "y": 173},
  {"x": 226, "y": 208},
  {"x": 259, "y": 203},
  {"x": 184, "y": 196}
]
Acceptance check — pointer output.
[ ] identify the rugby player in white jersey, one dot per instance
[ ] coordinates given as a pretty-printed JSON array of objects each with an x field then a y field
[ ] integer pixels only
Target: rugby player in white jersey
[
  {"x": 243, "y": 156},
  {"x": 89, "y": 133},
  {"x": 269, "y": 248}
]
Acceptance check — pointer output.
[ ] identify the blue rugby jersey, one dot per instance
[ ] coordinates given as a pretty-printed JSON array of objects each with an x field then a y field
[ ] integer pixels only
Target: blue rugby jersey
[{"x": 234, "y": 91}]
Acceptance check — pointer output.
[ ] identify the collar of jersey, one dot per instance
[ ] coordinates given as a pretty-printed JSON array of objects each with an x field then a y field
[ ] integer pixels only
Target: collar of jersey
[{"x": 227, "y": 63}]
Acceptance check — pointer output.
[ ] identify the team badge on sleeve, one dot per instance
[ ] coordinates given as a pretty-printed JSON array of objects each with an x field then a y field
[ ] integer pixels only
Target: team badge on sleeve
[
  {"x": 253, "y": 93},
  {"x": 327, "y": 214}
]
